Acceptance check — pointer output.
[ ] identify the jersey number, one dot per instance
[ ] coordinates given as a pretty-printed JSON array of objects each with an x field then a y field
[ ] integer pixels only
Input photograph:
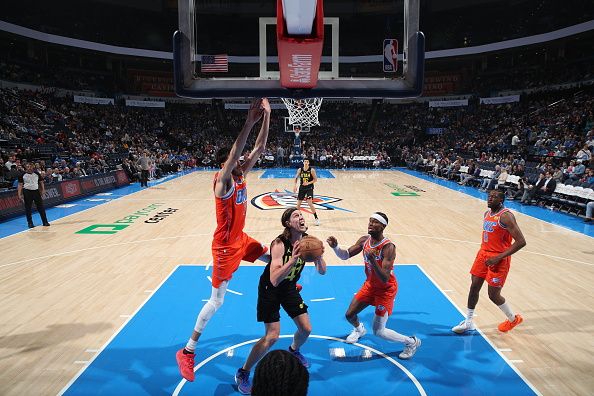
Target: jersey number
[
  {"x": 485, "y": 236},
  {"x": 241, "y": 196},
  {"x": 294, "y": 271}
]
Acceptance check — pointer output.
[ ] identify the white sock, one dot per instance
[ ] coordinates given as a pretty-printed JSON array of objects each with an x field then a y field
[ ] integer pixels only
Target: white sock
[
  {"x": 191, "y": 345},
  {"x": 360, "y": 327},
  {"x": 507, "y": 311},
  {"x": 380, "y": 329},
  {"x": 469, "y": 315}
]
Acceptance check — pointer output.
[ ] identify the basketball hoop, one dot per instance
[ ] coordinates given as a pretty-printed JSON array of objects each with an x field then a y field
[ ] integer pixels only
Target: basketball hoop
[{"x": 303, "y": 111}]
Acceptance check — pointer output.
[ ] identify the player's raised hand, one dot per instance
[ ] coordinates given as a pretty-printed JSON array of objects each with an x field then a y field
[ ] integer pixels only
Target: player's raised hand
[
  {"x": 332, "y": 242},
  {"x": 266, "y": 106},
  {"x": 256, "y": 110}
]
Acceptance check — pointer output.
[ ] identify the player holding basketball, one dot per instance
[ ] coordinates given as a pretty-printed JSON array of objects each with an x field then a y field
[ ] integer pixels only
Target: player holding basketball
[
  {"x": 277, "y": 288},
  {"x": 230, "y": 244},
  {"x": 306, "y": 177},
  {"x": 493, "y": 261},
  {"x": 380, "y": 287}
]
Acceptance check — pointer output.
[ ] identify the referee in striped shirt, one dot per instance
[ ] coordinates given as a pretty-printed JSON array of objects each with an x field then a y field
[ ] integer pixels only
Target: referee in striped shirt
[{"x": 31, "y": 189}]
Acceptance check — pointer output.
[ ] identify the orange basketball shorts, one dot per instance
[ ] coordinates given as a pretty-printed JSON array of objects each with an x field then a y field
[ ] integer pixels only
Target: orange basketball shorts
[
  {"x": 494, "y": 275},
  {"x": 381, "y": 299},
  {"x": 226, "y": 259}
]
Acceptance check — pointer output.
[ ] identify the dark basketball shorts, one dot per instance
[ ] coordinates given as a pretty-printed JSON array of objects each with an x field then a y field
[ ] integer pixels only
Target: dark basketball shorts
[
  {"x": 271, "y": 299},
  {"x": 305, "y": 193}
]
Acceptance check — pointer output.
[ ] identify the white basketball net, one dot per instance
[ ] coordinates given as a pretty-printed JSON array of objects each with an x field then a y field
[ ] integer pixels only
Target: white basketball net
[{"x": 303, "y": 111}]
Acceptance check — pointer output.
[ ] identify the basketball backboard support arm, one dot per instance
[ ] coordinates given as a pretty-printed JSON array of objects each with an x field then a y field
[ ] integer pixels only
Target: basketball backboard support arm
[{"x": 187, "y": 85}]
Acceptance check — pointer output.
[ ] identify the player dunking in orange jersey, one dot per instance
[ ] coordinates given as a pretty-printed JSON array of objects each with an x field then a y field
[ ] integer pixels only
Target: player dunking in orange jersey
[
  {"x": 230, "y": 244},
  {"x": 380, "y": 287},
  {"x": 493, "y": 260}
]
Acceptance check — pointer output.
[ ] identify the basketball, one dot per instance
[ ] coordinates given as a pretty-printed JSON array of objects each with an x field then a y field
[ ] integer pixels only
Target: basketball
[{"x": 311, "y": 248}]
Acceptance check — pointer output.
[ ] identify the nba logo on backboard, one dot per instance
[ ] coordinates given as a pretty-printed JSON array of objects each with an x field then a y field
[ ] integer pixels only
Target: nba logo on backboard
[{"x": 390, "y": 55}]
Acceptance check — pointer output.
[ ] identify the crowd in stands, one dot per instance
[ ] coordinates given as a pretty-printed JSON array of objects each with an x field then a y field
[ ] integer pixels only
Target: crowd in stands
[
  {"x": 67, "y": 140},
  {"x": 539, "y": 154},
  {"x": 544, "y": 132}
]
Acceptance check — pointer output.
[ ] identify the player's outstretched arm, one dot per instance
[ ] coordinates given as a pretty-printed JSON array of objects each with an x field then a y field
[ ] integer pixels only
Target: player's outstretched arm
[
  {"x": 260, "y": 140},
  {"x": 509, "y": 220},
  {"x": 224, "y": 180},
  {"x": 350, "y": 252},
  {"x": 297, "y": 179},
  {"x": 278, "y": 269},
  {"x": 321, "y": 263}
]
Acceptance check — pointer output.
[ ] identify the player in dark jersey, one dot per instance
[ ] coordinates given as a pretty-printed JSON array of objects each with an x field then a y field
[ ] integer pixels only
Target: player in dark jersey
[
  {"x": 277, "y": 288},
  {"x": 306, "y": 177}
]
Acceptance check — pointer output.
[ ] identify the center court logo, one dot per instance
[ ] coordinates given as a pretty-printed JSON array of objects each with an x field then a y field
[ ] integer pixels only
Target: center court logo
[{"x": 287, "y": 199}]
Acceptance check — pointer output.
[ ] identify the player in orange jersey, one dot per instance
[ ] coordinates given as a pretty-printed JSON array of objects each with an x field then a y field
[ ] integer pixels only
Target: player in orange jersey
[
  {"x": 380, "y": 287},
  {"x": 230, "y": 244},
  {"x": 493, "y": 260}
]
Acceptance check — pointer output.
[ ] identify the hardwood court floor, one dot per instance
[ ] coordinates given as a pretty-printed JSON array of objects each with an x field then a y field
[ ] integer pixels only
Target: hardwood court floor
[{"x": 65, "y": 294}]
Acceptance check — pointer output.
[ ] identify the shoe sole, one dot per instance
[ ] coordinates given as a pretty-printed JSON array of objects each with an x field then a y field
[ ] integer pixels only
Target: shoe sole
[
  {"x": 513, "y": 327},
  {"x": 416, "y": 349},
  {"x": 239, "y": 390},
  {"x": 179, "y": 367},
  {"x": 463, "y": 331}
]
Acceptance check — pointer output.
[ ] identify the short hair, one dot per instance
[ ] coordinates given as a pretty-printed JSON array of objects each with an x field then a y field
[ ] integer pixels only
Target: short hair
[
  {"x": 384, "y": 216},
  {"x": 500, "y": 193},
  {"x": 280, "y": 373},
  {"x": 222, "y": 155}
]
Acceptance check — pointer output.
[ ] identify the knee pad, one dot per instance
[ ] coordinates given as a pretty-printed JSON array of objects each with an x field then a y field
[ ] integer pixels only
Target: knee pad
[{"x": 216, "y": 302}]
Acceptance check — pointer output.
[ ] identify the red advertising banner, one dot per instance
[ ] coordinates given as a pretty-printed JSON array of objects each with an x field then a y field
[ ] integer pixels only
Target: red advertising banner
[
  {"x": 70, "y": 188},
  {"x": 437, "y": 84},
  {"x": 67, "y": 190}
]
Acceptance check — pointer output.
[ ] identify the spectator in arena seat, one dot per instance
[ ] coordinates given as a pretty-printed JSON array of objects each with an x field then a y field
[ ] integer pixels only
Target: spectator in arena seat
[
  {"x": 502, "y": 177},
  {"x": 558, "y": 175},
  {"x": 56, "y": 175},
  {"x": 489, "y": 182},
  {"x": 588, "y": 177},
  {"x": 584, "y": 154},
  {"x": 589, "y": 211},
  {"x": 473, "y": 174},
  {"x": 515, "y": 142},
  {"x": 545, "y": 186},
  {"x": 578, "y": 171}
]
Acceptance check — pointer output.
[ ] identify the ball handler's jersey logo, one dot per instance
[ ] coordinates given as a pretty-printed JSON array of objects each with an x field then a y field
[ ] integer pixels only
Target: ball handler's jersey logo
[{"x": 287, "y": 199}]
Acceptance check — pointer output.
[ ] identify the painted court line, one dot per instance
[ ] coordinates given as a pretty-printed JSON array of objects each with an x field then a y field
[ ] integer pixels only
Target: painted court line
[
  {"x": 322, "y": 299},
  {"x": 94, "y": 206},
  {"x": 415, "y": 381},
  {"x": 410, "y": 173},
  {"x": 92, "y": 350},
  {"x": 229, "y": 290},
  {"x": 509, "y": 362},
  {"x": 81, "y": 361},
  {"x": 69, "y": 384}
]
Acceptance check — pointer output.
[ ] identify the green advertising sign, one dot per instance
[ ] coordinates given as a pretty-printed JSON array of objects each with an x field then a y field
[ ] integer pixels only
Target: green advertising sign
[
  {"x": 401, "y": 191},
  {"x": 120, "y": 224}
]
